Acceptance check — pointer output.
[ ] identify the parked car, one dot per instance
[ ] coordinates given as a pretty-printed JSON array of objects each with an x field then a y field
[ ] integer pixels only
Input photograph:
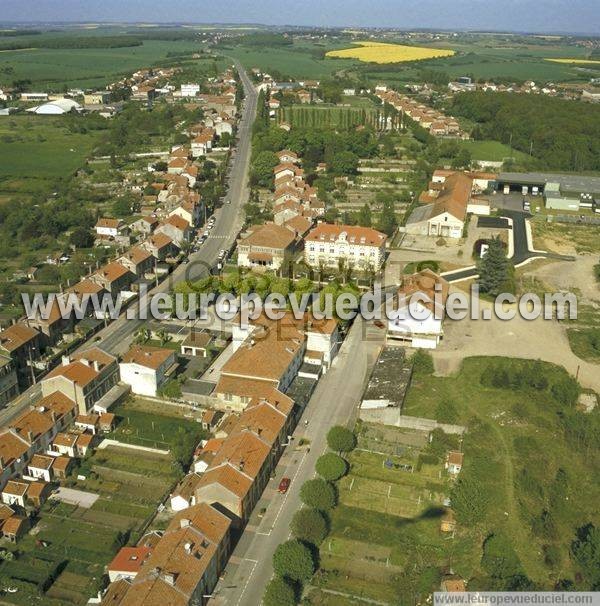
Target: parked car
[{"x": 284, "y": 485}]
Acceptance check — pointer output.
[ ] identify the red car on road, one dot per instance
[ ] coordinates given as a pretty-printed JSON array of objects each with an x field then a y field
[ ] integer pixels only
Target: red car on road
[{"x": 284, "y": 485}]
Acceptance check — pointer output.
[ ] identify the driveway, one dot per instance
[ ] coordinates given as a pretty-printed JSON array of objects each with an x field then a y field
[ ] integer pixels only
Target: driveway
[
  {"x": 522, "y": 251},
  {"x": 75, "y": 497}
]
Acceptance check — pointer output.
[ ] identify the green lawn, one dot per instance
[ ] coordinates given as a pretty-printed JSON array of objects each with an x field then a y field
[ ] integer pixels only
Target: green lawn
[
  {"x": 492, "y": 151},
  {"x": 136, "y": 426}
]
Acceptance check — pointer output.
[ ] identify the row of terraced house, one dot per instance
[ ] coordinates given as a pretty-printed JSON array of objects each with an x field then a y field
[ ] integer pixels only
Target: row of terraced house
[
  {"x": 182, "y": 566},
  {"x": 433, "y": 120},
  {"x": 296, "y": 228},
  {"x": 173, "y": 213}
]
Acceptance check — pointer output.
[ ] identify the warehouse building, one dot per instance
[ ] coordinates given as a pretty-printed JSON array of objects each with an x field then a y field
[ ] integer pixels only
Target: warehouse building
[{"x": 560, "y": 191}]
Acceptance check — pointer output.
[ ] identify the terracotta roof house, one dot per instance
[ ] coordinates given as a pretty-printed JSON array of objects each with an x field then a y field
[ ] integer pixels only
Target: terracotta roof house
[
  {"x": 84, "y": 377},
  {"x": 53, "y": 322},
  {"x": 454, "y": 462},
  {"x": 31, "y": 433},
  {"x": 62, "y": 466},
  {"x": 160, "y": 245},
  {"x": 87, "y": 288},
  {"x": 40, "y": 467},
  {"x": 21, "y": 343},
  {"x": 196, "y": 343},
  {"x": 87, "y": 422},
  {"x": 288, "y": 157},
  {"x": 271, "y": 352},
  {"x": 113, "y": 277},
  {"x": 106, "y": 422},
  {"x": 184, "y": 495},
  {"x": 359, "y": 247},
  {"x": 451, "y": 195},
  {"x": 37, "y": 493},
  {"x": 14, "y": 528},
  {"x": 176, "y": 228},
  {"x": 187, "y": 561},
  {"x": 65, "y": 444},
  {"x": 14, "y": 493},
  {"x": 108, "y": 228},
  {"x": 128, "y": 562},
  {"x": 299, "y": 226},
  {"x": 418, "y": 317},
  {"x": 138, "y": 261},
  {"x": 266, "y": 247},
  {"x": 145, "y": 225}
]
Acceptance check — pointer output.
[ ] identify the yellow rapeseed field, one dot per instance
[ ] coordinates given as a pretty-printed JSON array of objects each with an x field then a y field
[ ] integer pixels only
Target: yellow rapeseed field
[
  {"x": 381, "y": 52},
  {"x": 575, "y": 61}
]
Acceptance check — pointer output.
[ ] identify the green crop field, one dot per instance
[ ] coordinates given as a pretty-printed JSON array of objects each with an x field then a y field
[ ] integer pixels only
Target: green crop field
[
  {"x": 35, "y": 150},
  {"x": 79, "y": 542},
  {"x": 86, "y": 67},
  {"x": 485, "y": 57},
  {"x": 387, "y": 515},
  {"x": 297, "y": 61}
]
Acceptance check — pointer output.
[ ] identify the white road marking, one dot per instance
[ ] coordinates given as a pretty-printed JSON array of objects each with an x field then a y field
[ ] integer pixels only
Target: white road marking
[
  {"x": 266, "y": 534},
  {"x": 255, "y": 562}
]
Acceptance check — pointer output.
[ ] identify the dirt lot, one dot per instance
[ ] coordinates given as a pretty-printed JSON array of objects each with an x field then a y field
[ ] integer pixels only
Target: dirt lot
[{"x": 536, "y": 339}]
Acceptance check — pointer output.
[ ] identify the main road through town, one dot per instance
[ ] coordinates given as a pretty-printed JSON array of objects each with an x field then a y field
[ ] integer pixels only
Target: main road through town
[
  {"x": 334, "y": 402},
  {"x": 115, "y": 337}
]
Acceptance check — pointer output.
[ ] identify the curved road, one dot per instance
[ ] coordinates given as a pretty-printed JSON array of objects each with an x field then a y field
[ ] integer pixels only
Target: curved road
[{"x": 521, "y": 253}]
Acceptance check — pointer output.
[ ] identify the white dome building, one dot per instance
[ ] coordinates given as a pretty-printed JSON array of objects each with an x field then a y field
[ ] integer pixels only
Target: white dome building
[{"x": 56, "y": 108}]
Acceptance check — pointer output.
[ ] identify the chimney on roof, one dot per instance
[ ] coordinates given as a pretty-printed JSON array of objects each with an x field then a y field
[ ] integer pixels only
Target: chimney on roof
[
  {"x": 169, "y": 578},
  {"x": 188, "y": 548},
  {"x": 96, "y": 366},
  {"x": 30, "y": 436},
  {"x": 1, "y": 463},
  {"x": 65, "y": 360},
  {"x": 184, "y": 523}
]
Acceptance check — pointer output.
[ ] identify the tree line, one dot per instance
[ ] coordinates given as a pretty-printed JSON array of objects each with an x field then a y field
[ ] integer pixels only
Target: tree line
[
  {"x": 561, "y": 134},
  {"x": 79, "y": 42}
]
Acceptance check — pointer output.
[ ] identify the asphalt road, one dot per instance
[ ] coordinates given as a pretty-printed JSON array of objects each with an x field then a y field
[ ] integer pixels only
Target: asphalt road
[
  {"x": 115, "y": 338},
  {"x": 334, "y": 402},
  {"x": 521, "y": 249}
]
